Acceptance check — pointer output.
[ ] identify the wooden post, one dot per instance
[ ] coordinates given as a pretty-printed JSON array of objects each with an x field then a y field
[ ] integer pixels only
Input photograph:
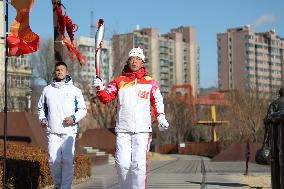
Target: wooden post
[
  {"x": 58, "y": 43},
  {"x": 247, "y": 154},
  {"x": 214, "y": 120},
  {"x": 213, "y": 123}
]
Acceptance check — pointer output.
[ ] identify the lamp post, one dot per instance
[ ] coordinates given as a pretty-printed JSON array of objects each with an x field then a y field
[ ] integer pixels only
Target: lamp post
[
  {"x": 28, "y": 101},
  {"x": 5, "y": 98}
]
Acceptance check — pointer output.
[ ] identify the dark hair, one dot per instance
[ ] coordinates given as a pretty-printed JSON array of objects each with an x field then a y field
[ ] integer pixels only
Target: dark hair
[
  {"x": 281, "y": 91},
  {"x": 61, "y": 63}
]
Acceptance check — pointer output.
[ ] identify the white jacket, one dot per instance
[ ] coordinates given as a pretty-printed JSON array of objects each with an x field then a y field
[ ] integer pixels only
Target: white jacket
[
  {"x": 136, "y": 93},
  {"x": 59, "y": 101}
]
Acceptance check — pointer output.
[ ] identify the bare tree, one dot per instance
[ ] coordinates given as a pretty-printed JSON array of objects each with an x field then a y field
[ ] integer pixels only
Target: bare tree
[
  {"x": 179, "y": 115},
  {"x": 245, "y": 115},
  {"x": 101, "y": 115},
  {"x": 104, "y": 114},
  {"x": 43, "y": 60}
]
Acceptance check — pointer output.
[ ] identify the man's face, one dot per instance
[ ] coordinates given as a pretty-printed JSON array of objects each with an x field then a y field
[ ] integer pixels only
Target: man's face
[
  {"x": 135, "y": 63},
  {"x": 60, "y": 73}
]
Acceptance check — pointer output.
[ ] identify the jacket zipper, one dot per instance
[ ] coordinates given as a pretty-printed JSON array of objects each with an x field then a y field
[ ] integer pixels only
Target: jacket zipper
[{"x": 135, "y": 84}]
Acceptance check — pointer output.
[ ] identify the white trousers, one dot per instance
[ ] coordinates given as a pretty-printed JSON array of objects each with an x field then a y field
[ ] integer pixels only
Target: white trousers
[
  {"x": 61, "y": 149},
  {"x": 131, "y": 159}
]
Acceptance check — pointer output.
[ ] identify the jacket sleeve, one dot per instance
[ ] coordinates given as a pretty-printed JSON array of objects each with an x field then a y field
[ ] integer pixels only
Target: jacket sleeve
[
  {"x": 80, "y": 107},
  {"x": 42, "y": 108},
  {"x": 108, "y": 94},
  {"x": 156, "y": 99}
]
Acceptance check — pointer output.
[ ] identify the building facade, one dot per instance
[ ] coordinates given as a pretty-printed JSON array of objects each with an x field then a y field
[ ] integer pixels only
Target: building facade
[
  {"x": 249, "y": 60},
  {"x": 171, "y": 59},
  {"x": 86, "y": 73},
  {"x": 19, "y": 83}
]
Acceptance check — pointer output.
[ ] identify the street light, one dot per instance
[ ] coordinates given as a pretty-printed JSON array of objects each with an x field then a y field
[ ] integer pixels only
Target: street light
[{"x": 28, "y": 101}]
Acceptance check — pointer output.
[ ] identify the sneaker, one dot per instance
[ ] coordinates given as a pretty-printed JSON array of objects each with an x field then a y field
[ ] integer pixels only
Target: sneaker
[{"x": 57, "y": 186}]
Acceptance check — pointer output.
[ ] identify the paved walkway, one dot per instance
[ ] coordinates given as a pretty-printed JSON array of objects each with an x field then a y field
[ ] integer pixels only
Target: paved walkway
[{"x": 182, "y": 172}]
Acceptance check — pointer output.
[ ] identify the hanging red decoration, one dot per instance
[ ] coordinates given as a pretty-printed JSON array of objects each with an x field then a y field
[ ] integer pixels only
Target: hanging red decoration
[
  {"x": 65, "y": 22},
  {"x": 21, "y": 39}
]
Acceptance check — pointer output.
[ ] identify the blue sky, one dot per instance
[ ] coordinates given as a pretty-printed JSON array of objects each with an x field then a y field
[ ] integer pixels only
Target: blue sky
[{"x": 209, "y": 17}]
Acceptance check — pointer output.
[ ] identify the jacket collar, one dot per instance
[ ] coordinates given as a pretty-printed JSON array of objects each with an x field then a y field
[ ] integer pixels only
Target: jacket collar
[
  {"x": 132, "y": 75},
  {"x": 68, "y": 81}
]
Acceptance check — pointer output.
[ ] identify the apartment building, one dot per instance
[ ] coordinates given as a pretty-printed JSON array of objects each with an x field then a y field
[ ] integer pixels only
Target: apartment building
[
  {"x": 171, "y": 58},
  {"x": 86, "y": 73},
  {"x": 249, "y": 60}
]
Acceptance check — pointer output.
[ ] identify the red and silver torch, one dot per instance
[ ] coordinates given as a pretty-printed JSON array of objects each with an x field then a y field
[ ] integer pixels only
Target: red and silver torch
[{"x": 99, "y": 40}]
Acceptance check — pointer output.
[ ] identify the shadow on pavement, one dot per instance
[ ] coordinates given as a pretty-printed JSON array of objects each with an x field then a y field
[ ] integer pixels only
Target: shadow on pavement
[{"x": 230, "y": 184}]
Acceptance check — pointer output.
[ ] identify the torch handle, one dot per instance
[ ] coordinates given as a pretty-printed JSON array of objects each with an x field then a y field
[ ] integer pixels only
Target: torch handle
[{"x": 99, "y": 40}]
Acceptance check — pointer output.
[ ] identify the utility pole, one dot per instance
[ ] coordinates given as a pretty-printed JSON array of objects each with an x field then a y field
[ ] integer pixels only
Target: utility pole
[
  {"x": 5, "y": 98},
  {"x": 58, "y": 39}
]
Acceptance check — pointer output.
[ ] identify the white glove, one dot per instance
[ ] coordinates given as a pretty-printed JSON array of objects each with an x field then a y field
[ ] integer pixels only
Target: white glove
[
  {"x": 162, "y": 122},
  {"x": 98, "y": 83}
]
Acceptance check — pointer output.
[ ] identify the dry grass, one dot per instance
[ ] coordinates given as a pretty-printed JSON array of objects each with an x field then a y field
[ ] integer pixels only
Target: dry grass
[
  {"x": 157, "y": 156},
  {"x": 258, "y": 181}
]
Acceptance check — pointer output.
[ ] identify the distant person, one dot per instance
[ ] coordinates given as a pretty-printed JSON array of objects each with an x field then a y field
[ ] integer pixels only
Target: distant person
[
  {"x": 135, "y": 92},
  {"x": 278, "y": 104},
  {"x": 275, "y": 132},
  {"x": 61, "y": 106}
]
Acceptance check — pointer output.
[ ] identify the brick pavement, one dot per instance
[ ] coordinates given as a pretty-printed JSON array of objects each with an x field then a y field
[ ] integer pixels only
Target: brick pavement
[{"x": 182, "y": 172}]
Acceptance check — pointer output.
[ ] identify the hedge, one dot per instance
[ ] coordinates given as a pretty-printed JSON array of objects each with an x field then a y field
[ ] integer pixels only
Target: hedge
[{"x": 27, "y": 167}]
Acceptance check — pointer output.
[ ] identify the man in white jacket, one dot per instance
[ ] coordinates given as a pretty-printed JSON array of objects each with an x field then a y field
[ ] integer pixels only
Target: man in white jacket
[{"x": 61, "y": 106}]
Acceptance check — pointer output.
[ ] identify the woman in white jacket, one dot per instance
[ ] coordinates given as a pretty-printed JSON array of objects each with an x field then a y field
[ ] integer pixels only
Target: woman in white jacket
[
  {"x": 61, "y": 106},
  {"x": 136, "y": 93}
]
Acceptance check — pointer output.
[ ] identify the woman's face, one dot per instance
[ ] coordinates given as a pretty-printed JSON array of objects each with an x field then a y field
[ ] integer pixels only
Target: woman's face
[{"x": 135, "y": 63}]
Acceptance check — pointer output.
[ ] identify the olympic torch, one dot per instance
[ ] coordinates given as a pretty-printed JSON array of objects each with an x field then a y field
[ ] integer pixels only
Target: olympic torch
[{"x": 99, "y": 39}]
